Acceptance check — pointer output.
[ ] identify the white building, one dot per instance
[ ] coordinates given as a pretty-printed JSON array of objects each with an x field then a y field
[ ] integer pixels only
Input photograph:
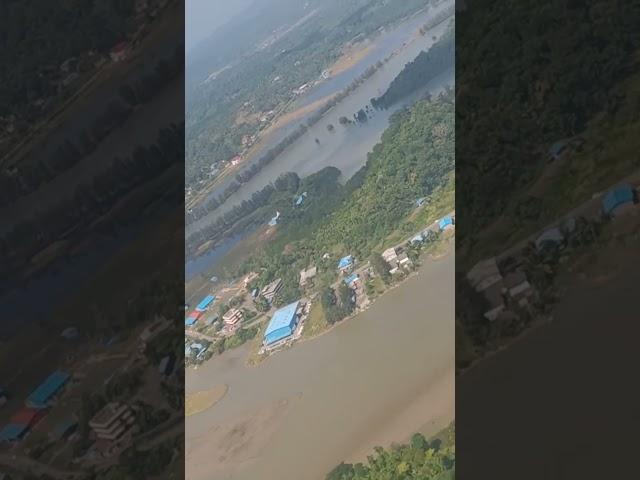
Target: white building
[{"x": 113, "y": 421}]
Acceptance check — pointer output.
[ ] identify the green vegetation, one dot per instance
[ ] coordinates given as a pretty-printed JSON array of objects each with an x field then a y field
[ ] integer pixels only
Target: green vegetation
[
  {"x": 427, "y": 65},
  {"x": 242, "y": 336},
  {"x": 414, "y": 160},
  {"x": 418, "y": 460},
  {"x": 336, "y": 303},
  {"x": 36, "y": 41},
  {"x": 580, "y": 85},
  {"x": 316, "y": 322},
  {"x": 266, "y": 77}
]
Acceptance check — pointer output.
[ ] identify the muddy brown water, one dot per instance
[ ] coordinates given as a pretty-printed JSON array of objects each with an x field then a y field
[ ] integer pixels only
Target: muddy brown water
[{"x": 375, "y": 379}]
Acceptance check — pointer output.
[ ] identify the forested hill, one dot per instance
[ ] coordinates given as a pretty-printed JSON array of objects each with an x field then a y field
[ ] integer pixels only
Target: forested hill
[
  {"x": 415, "y": 75},
  {"x": 414, "y": 159},
  {"x": 540, "y": 84}
]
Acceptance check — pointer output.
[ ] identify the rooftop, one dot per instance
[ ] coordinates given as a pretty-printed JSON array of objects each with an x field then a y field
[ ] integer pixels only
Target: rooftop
[
  {"x": 282, "y": 318},
  {"x": 48, "y": 388},
  {"x": 617, "y": 196},
  {"x": 12, "y": 432},
  {"x": 206, "y": 301},
  {"x": 345, "y": 261}
]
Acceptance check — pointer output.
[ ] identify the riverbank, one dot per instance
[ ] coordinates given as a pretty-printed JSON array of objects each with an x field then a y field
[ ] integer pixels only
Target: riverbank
[
  {"x": 316, "y": 390},
  {"x": 392, "y": 60},
  {"x": 442, "y": 250},
  {"x": 576, "y": 357}
]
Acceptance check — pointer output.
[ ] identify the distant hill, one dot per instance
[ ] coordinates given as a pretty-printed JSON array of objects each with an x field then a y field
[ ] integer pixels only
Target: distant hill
[{"x": 415, "y": 75}]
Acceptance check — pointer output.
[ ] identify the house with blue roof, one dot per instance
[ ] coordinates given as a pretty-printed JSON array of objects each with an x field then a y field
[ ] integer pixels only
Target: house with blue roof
[
  {"x": 446, "y": 223},
  {"x": 13, "y": 432},
  {"x": 206, "y": 303},
  {"x": 282, "y": 325},
  {"x": 45, "y": 394},
  {"x": 420, "y": 201},
  {"x": 617, "y": 198},
  {"x": 345, "y": 263}
]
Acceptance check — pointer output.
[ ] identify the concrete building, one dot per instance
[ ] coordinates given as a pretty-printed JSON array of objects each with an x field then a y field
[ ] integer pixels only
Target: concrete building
[
  {"x": 494, "y": 294},
  {"x": 306, "y": 275},
  {"x": 270, "y": 291},
  {"x": 390, "y": 255},
  {"x": 113, "y": 421},
  {"x": 232, "y": 318},
  {"x": 404, "y": 261},
  {"x": 484, "y": 274},
  {"x": 282, "y": 325},
  {"x": 518, "y": 288}
]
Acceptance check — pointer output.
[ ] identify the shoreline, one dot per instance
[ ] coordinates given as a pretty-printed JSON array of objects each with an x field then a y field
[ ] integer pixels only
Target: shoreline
[
  {"x": 285, "y": 118},
  {"x": 429, "y": 258}
]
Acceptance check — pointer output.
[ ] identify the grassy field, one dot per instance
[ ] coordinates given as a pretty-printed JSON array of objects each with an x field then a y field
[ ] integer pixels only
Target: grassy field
[{"x": 316, "y": 322}]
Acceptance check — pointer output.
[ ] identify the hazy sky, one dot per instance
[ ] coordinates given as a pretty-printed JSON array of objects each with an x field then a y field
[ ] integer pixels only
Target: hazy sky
[{"x": 204, "y": 16}]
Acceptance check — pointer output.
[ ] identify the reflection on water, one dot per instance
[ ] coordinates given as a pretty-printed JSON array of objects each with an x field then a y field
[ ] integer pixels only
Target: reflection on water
[
  {"x": 346, "y": 148},
  {"x": 357, "y": 377}
]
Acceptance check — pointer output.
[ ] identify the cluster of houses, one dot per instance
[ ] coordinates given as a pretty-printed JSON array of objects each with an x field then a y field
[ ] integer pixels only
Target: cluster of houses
[
  {"x": 201, "y": 309},
  {"x": 397, "y": 259},
  {"x": 506, "y": 291},
  {"x": 503, "y": 293}
]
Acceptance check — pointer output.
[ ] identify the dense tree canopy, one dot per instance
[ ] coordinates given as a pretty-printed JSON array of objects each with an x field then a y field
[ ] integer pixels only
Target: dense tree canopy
[{"x": 418, "y": 460}]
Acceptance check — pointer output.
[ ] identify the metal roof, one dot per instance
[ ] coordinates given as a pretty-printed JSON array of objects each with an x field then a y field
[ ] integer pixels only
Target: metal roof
[
  {"x": 351, "y": 278},
  {"x": 11, "y": 432},
  {"x": 206, "y": 301},
  {"x": 345, "y": 261},
  {"x": 617, "y": 196},
  {"x": 281, "y": 324},
  {"x": 48, "y": 388},
  {"x": 445, "y": 222}
]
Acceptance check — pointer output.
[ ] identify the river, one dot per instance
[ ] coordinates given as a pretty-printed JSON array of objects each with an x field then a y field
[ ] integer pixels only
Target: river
[
  {"x": 347, "y": 147},
  {"x": 377, "y": 378}
]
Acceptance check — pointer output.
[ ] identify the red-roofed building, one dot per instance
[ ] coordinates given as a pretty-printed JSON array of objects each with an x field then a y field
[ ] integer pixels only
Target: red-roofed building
[{"x": 28, "y": 417}]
